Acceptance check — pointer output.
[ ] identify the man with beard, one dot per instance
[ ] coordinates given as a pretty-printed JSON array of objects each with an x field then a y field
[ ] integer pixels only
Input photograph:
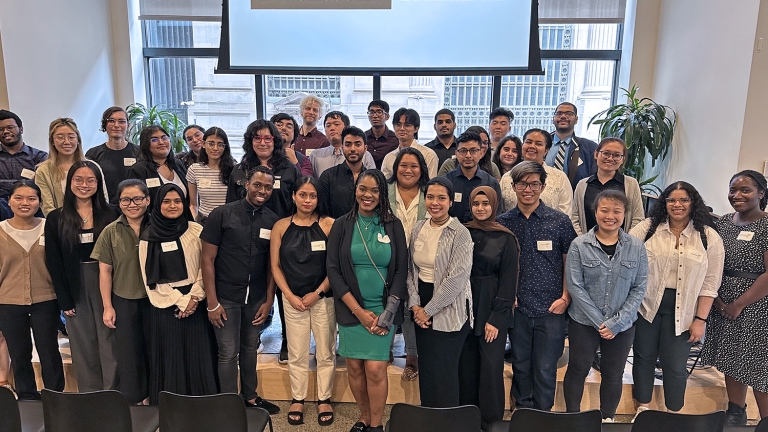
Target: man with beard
[
  {"x": 17, "y": 160},
  {"x": 571, "y": 154},
  {"x": 310, "y": 139},
  {"x": 337, "y": 184},
  {"x": 445, "y": 143},
  {"x": 328, "y": 157},
  {"x": 287, "y": 126}
]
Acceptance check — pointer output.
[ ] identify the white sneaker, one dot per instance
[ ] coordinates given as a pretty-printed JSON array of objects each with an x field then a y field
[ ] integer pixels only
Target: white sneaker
[
  {"x": 639, "y": 410},
  {"x": 609, "y": 420}
]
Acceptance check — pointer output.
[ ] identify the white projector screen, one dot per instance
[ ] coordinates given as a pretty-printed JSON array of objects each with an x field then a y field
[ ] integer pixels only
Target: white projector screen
[{"x": 355, "y": 37}]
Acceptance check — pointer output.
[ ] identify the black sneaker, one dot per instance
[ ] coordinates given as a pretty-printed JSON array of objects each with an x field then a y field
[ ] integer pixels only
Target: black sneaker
[
  {"x": 282, "y": 358},
  {"x": 261, "y": 403},
  {"x": 736, "y": 415}
]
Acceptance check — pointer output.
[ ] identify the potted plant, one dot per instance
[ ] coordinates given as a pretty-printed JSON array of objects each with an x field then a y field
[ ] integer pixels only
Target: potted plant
[
  {"x": 139, "y": 117},
  {"x": 645, "y": 126}
]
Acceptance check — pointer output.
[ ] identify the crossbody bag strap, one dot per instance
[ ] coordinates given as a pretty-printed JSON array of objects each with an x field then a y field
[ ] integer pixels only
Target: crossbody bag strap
[{"x": 369, "y": 253}]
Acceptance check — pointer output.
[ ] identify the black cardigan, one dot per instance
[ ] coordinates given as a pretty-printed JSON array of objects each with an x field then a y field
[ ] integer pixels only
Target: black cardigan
[
  {"x": 144, "y": 170},
  {"x": 341, "y": 271}
]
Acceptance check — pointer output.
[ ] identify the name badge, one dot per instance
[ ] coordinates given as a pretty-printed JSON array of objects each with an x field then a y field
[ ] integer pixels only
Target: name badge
[
  {"x": 169, "y": 246},
  {"x": 153, "y": 182},
  {"x": 129, "y": 161},
  {"x": 85, "y": 238},
  {"x": 581, "y": 162},
  {"x": 383, "y": 238},
  {"x": 28, "y": 174},
  {"x": 318, "y": 246},
  {"x": 418, "y": 246},
  {"x": 276, "y": 184},
  {"x": 265, "y": 234},
  {"x": 745, "y": 235},
  {"x": 204, "y": 183},
  {"x": 309, "y": 151},
  {"x": 457, "y": 197},
  {"x": 41, "y": 242},
  {"x": 544, "y": 245},
  {"x": 695, "y": 256}
]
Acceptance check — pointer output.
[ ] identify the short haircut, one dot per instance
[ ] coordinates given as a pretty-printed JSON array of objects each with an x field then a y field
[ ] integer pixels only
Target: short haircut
[
  {"x": 5, "y": 115},
  {"x": 125, "y": 184},
  {"x": 502, "y": 112},
  {"x": 311, "y": 99},
  {"x": 526, "y": 168},
  {"x": 445, "y": 111},
  {"x": 354, "y": 131},
  {"x": 379, "y": 103},
  {"x": 108, "y": 113},
  {"x": 547, "y": 136},
  {"x": 575, "y": 110},
  {"x": 337, "y": 115},
  {"x": 469, "y": 136},
  {"x": 612, "y": 195},
  {"x": 258, "y": 168},
  {"x": 283, "y": 116},
  {"x": 411, "y": 116}
]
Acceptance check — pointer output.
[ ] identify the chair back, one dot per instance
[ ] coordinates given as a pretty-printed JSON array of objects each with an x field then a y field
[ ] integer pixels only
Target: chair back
[
  {"x": 220, "y": 413},
  {"x": 762, "y": 426},
  {"x": 10, "y": 420},
  {"x": 100, "y": 411},
  {"x": 655, "y": 421},
  {"x": 527, "y": 419},
  {"x": 409, "y": 418}
]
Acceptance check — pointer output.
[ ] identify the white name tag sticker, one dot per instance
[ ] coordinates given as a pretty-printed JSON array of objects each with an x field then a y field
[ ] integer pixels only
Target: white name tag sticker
[
  {"x": 418, "y": 246},
  {"x": 745, "y": 235},
  {"x": 544, "y": 245},
  {"x": 28, "y": 174},
  {"x": 318, "y": 246},
  {"x": 309, "y": 152},
  {"x": 265, "y": 234},
  {"x": 204, "y": 183},
  {"x": 42, "y": 241},
  {"x": 153, "y": 182},
  {"x": 457, "y": 197},
  {"x": 86, "y": 238},
  {"x": 383, "y": 238},
  {"x": 580, "y": 162},
  {"x": 276, "y": 184},
  {"x": 129, "y": 161},
  {"x": 695, "y": 256},
  {"x": 169, "y": 246}
]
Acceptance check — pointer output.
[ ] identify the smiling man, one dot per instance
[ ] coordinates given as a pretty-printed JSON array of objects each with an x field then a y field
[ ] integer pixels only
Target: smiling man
[
  {"x": 328, "y": 157},
  {"x": 467, "y": 176},
  {"x": 573, "y": 155},
  {"x": 17, "y": 160},
  {"x": 500, "y": 125},
  {"x": 116, "y": 155},
  {"x": 444, "y": 145},
  {"x": 310, "y": 139},
  {"x": 337, "y": 184}
]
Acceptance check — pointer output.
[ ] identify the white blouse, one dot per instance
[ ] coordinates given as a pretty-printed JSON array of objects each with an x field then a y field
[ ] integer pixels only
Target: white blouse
[{"x": 557, "y": 193}]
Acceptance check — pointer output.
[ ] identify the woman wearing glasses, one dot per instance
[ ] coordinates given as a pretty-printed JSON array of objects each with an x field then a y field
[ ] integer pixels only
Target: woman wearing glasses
[
  {"x": 156, "y": 163},
  {"x": 610, "y": 156},
  {"x": 685, "y": 266},
  {"x": 207, "y": 179},
  {"x": 126, "y": 306}
]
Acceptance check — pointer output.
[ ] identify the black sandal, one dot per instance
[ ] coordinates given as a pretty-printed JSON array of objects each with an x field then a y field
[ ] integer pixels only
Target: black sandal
[
  {"x": 328, "y": 415},
  {"x": 292, "y": 420}
]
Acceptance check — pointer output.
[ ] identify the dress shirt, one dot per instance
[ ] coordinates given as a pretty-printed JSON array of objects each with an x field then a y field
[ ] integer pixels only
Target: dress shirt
[
  {"x": 314, "y": 139},
  {"x": 12, "y": 165},
  {"x": 463, "y": 187},
  {"x": 410, "y": 214},
  {"x": 118, "y": 246},
  {"x": 429, "y": 155},
  {"x": 381, "y": 146},
  {"x": 557, "y": 194},
  {"x": 330, "y": 156},
  {"x": 574, "y": 170},
  {"x": 443, "y": 153},
  {"x": 337, "y": 191}
]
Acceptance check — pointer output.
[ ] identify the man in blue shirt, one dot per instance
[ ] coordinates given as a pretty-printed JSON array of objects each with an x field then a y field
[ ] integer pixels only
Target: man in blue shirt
[
  {"x": 573, "y": 155},
  {"x": 468, "y": 175},
  {"x": 17, "y": 159},
  {"x": 538, "y": 336}
]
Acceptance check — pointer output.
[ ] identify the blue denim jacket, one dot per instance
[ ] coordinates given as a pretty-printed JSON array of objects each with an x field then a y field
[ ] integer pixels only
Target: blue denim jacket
[{"x": 606, "y": 291}]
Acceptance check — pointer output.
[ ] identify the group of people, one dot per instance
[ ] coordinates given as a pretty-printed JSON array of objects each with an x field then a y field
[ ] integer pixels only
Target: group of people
[{"x": 463, "y": 242}]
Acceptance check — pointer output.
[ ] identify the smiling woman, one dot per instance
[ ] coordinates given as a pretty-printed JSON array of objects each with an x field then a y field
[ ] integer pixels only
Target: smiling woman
[{"x": 156, "y": 164}]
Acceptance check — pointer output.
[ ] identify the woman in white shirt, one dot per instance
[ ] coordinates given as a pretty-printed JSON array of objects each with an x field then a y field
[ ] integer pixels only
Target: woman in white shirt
[
  {"x": 685, "y": 267},
  {"x": 207, "y": 179}
]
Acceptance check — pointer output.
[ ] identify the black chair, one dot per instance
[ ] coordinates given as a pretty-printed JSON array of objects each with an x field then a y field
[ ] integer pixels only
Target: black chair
[
  {"x": 100, "y": 411},
  {"x": 221, "y": 413},
  {"x": 10, "y": 420},
  {"x": 658, "y": 421},
  {"x": 408, "y": 418},
  {"x": 762, "y": 426},
  {"x": 526, "y": 419}
]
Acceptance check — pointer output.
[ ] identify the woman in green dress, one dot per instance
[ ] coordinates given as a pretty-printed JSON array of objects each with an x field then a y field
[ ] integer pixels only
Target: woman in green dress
[{"x": 367, "y": 268}]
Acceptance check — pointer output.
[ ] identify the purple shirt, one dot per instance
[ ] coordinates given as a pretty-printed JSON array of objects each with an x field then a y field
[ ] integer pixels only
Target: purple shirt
[
  {"x": 379, "y": 147},
  {"x": 314, "y": 139},
  {"x": 11, "y": 165}
]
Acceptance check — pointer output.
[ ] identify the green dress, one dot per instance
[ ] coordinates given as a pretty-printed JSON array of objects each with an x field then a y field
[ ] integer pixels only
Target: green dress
[{"x": 355, "y": 341}]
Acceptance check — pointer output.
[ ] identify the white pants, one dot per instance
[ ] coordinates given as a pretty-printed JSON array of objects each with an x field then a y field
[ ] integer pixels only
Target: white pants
[{"x": 320, "y": 319}]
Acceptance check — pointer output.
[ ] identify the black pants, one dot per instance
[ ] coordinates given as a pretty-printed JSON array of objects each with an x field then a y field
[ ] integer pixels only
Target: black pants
[
  {"x": 481, "y": 375},
  {"x": 42, "y": 318},
  {"x": 439, "y": 354},
  {"x": 132, "y": 333},
  {"x": 583, "y": 342}
]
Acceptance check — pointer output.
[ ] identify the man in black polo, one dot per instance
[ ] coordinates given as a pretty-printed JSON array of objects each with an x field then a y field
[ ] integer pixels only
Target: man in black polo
[
  {"x": 238, "y": 283},
  {"x": 380, "y": 139},
  {"x": 445, "y": 143},
  {"x": 17, "y": 160},
  {"x": 337, "y": 184},
  {"x": 467, "y": 176}
]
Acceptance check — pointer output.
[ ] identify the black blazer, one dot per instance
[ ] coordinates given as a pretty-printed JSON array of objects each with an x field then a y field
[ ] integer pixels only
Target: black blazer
[
  {"x": 341, "y": 271},
  {"x": 144, "y": 170}
]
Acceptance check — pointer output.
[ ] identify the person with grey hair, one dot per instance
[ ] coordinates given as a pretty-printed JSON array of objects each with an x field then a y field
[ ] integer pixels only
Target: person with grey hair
[{"x": 310, "y": 139}]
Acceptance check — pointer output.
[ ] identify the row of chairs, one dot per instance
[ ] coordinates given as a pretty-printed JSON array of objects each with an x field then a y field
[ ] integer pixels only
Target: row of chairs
[{"x": 109, "y": 411}]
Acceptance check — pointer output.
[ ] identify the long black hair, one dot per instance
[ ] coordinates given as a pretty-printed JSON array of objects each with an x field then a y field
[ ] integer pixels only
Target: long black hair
[
  {"x": 485, "y": 161},
  {"x": 423, "y": 178},
  {"x": 760, "y": 183},
  {"x": 227, "y": 162},
  {"x": 384, "y": 208},
  {"x": 497, "y": 154},
  {"x": 250, "y": 159},
  {"x": 145, "y": 141},
  {"x": 70, "y": 220},
  {"x": 699, "y": 211},
  {"x": 310, "y": 180}
]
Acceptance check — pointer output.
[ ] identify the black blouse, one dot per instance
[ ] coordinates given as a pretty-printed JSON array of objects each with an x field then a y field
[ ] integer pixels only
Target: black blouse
[{"x": 302, "y": 258}]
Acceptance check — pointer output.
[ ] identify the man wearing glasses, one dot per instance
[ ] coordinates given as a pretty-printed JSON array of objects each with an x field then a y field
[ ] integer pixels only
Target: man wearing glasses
[
  {"x": 380, "y": 139},
  {"x": 116, "y": 156},
  {"x": 538, "y": 335},
  {"x": 573, "y": 155},
  {"x": 17, "y": 160},
  {"x": 468, "y": 175}
]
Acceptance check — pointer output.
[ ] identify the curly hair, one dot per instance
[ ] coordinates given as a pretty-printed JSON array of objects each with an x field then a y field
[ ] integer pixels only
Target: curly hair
[
  {"x": 699, "y": 211},
  {"x": 250, "y": 159},
  {"x": 384, "y": 208}
]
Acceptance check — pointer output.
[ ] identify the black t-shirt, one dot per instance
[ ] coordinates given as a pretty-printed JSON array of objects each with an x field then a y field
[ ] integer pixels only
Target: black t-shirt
[
  {"x": 114, "y": 164},
  {"x": 610, "y": 250}
]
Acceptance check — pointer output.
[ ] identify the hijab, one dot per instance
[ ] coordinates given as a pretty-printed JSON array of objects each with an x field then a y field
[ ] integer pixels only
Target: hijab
[
  {"x": 489, "y": 224},
  {"x": 163, "y": 232}
]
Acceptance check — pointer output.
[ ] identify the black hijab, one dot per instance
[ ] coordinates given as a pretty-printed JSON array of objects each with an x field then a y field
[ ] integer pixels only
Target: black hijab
[{"x": 170, "y": 266}]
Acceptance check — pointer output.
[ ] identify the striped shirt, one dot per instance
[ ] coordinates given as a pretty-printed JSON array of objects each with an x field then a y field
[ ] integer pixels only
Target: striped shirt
[{"x": 211, "y": 192}]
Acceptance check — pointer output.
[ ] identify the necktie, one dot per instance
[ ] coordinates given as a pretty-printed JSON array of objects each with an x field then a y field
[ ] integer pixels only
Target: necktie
[{"x": 560, "y": 156}]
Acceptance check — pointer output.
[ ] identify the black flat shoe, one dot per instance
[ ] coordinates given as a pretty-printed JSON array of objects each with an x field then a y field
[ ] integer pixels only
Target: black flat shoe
[
  {"x": 324, "y": 418},
  {"x": 359, "y": 427},
  {"x": 296, "y": 417},
  {"x": 375, "y": 428},
  {"x": 261, "y": 403},
  {"x": 736, "y": 415}
]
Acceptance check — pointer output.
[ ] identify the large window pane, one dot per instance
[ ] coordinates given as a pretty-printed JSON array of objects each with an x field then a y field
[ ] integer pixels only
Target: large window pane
[
  {"x": 578, "y": 36},
  {"x": 181, "y": 34}
]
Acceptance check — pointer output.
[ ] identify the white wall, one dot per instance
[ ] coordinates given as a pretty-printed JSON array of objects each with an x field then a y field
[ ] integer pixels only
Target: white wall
[{"x": 3, "y": 87}]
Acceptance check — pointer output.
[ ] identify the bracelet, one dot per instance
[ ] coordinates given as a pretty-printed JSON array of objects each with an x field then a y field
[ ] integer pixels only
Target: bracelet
[
  {"x": 355, "y": 309},
  {"x": 212, "y": 310},
  {"x": 696, "y": 317}
]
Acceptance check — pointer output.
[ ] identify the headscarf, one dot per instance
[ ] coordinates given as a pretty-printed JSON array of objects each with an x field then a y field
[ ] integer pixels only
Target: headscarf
[
  {"x": 171, "y": 266},
  {"x": 489, "y": 224}
]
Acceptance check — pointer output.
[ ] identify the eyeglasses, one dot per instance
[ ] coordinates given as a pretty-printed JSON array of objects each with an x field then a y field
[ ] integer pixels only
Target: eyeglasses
[
  {"x": 155, "y": 140},
  {"x": 608, "y": 155},
  {"x": 521, "y": 186},
  {"x": 125, "y": 202},
  {"x": 10, "y": 128},
  {"x": 70, "y": 138},
  {"x": 674, "y": 201},
  {"x": 264, "y": 139},
  {"x": 376, "y": 112},
  {"x": 565, "y": 113},
  {"x": 214, "y": 144},
  {"x": 79, "y": 181},
  {"x": 472, "y": 151},
  {"x": 117, "y": 121}
]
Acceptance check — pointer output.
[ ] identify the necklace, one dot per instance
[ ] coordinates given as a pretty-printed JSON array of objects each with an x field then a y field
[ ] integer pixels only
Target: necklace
[
  {"x": 436, "y": 224},
  {"x": 368, "y": 224}
]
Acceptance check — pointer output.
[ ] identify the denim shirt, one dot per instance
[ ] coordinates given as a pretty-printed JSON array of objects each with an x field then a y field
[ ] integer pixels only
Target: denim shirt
[{"x": 606, "y": 291}]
